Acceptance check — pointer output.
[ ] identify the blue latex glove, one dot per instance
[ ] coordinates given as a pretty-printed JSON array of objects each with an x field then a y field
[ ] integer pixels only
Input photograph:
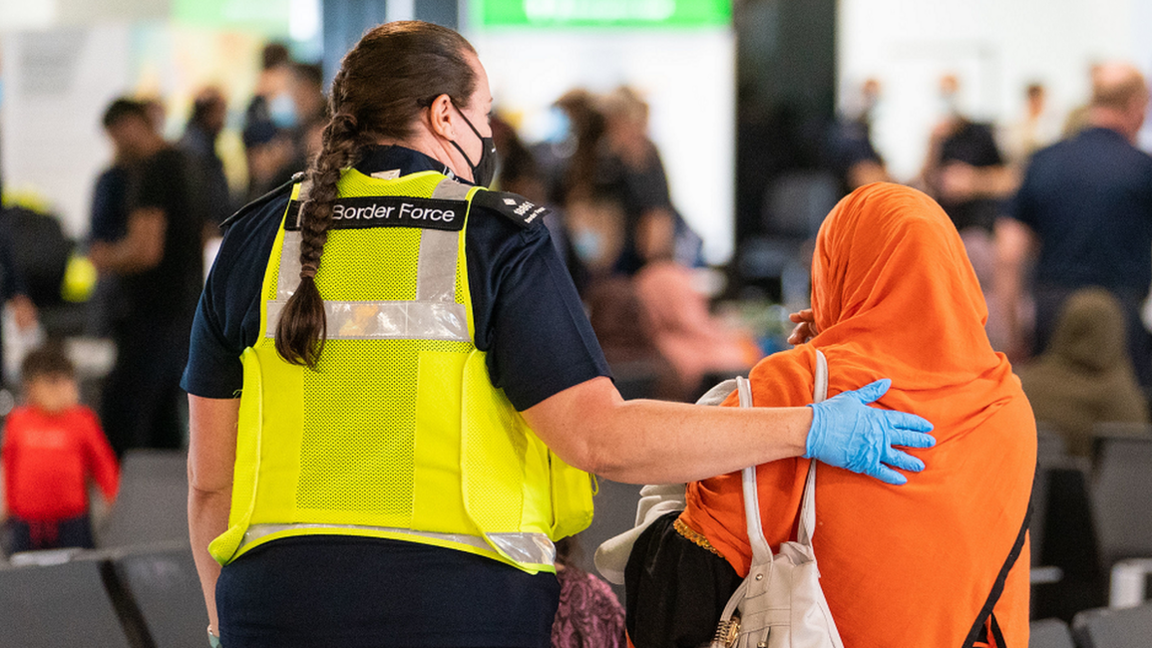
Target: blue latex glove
[{"x": 848, "y": 434}]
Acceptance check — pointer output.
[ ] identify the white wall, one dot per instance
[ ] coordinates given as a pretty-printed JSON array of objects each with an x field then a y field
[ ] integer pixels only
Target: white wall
[
  {"x": 56, "y": 86},
  {"x": 688, "y": 77},
  {"x": 995, "y": 46}
]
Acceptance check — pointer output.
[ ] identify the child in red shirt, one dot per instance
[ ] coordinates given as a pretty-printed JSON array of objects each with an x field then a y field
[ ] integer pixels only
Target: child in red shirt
[{"x": 52, "y": 444}]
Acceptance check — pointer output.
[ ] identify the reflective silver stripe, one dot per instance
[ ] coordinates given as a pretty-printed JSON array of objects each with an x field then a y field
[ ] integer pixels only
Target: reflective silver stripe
[
  {"x": 439, "y": 250},
  {"x": 387, "y": 320},
  {"x": 289, "y": 275},
  {"x": 524, "y": 548},
  {"x": 433, "y": 315}
]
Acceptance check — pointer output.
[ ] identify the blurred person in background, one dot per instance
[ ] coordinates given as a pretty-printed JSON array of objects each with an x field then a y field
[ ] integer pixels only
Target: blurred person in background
[
  {"x": 1085, "y": 376},
  {"x": 272, "y": 101},
  {"x": 589, "y": 614},
  {"x": 851, "y": 155},
  {"x": 1038, "y": 128},
  {"x": 52, "y": 446},
  {"x": 209, "y": 112},
  {"x": 272, "y": 158},
  {"x": 701, "y": 348},
  {"x": 14, "y": 296},
  {"x": 520, "y": 173},
  {"x": 1086, "y": 205},
  {"x": 156, "y": 256},
  {"x": 108, "y": 221},
  {"x": 631, "y": 165},
  {"x": 1078, "y": 118},
  {"x": 568, "y": 162},
  {"x": 310, "y": 115},
  {"x": 964, "y": 170},
  {"x": 308, "y": 93},
  {"x": 571, "y": 163}
]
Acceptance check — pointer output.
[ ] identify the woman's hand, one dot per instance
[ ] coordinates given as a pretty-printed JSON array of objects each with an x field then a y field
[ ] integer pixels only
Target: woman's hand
[
  {"x": 848, "y": 434},
  {"x": 805, "y": 327}
]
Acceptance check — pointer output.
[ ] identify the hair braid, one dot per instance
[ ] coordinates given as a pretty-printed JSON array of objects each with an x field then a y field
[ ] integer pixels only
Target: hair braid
[{"x": 303, "y": 325}]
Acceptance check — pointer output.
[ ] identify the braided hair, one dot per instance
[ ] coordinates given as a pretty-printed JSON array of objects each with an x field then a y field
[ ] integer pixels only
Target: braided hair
[{"x": 394, "y": 72}]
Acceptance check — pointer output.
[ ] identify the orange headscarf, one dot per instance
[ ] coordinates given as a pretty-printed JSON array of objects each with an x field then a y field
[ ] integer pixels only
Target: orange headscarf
[{"x": 895, "y": 296}]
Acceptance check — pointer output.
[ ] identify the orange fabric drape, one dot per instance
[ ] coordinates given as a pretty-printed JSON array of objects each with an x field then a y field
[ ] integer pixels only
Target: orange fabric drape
[{"x": 894, "y": 296}]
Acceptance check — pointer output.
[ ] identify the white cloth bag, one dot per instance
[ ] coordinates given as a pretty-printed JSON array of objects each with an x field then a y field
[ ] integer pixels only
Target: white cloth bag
[{"x": 780, "y": 603}]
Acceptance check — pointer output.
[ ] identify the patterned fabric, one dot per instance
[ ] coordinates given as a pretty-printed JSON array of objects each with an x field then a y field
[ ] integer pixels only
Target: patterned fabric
[
  {"x": 589, "y": 615},
  {"x": 694, "y": 536}
]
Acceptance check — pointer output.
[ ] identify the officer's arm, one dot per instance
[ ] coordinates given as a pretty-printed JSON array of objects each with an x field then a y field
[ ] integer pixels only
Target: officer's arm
[
  {"x": 645, "y": 441},
  {"x": 211, "y": 455},
  {"x": 140, "y": 249}
]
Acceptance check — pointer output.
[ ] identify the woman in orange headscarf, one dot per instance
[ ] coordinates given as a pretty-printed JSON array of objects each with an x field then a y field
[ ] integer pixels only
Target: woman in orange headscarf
[{"x": 914, "y": 565}]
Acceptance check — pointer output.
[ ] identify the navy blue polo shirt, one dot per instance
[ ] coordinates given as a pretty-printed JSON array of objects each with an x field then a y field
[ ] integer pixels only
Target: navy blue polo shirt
[
  {"x": 529, "y": 320},
  {"x": 1089, "y": 200}
]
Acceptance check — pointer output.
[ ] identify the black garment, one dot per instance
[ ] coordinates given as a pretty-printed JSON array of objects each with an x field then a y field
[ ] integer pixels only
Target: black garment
[
  {"x": 974, "y": 144},
  {"x": 201, "y": 146},
  {"x": 639, "y": 191},
  {"x": 39, "y": 253},
  {"x": 22, "y": 535},
  {"x": 325, "y": 591},
  {"x": 142, "y": 398},
  {"x": 109, "y": 218},
  {"x": 1089, "y": 201},
  {"x": 849, "y": 143},
  {"x": 167, "y": 293},
  {"x": 108, "y": 223},
  {"x": 675, "y": 590},
  {"x": 11, "y": 284}
]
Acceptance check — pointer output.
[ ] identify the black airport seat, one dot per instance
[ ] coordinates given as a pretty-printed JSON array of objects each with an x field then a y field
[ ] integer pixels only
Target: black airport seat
[
  {"x": 152, "y": 506},
  {"x": 1050, "y": 633},
  {"x": 1107, "y": 628},
  {"x": 58, "y": 606},
  {"x": 166, "y": 589}
]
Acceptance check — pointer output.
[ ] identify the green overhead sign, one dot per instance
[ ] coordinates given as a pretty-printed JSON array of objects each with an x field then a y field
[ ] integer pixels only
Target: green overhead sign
[
  {"x": 603, "y": 13},
  {"x": 267, "y": 16}
]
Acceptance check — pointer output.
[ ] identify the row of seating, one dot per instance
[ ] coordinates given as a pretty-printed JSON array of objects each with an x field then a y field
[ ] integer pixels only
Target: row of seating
[
  {"x": 1090, "y": 515},
  {"x": 145, "y": 597},
  {"x": 1100, "y": 628},
  {"x": 139, "y": 589}
]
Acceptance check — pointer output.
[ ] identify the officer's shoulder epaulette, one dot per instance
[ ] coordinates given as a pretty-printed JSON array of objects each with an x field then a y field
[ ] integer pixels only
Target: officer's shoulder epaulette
[
  {"x": 514, "y": 207},
  {"x": 282, "y": 190}
]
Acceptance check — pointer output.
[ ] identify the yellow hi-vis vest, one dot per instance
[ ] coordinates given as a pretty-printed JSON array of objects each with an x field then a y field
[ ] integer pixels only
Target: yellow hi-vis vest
[{"x": 398, "y": 433}]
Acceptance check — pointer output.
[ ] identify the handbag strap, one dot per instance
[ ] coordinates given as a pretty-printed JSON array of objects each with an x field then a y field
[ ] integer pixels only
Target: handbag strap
[
  {"x": 808, "y": 506},
  {"x": 761, "y": 551}
]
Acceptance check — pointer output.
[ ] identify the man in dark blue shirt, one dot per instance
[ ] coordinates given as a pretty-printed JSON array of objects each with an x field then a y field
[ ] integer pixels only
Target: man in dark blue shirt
[{"x": 1086, "y": 203}]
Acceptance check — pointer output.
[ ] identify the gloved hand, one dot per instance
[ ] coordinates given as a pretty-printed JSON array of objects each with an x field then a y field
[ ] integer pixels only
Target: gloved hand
[{"x": 848, "y": 434}]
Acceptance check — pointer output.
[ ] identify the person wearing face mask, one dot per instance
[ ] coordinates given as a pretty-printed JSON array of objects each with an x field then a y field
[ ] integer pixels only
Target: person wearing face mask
[
  {"x": 394, "y": 390},
  {"x": 964, "y": 169}
]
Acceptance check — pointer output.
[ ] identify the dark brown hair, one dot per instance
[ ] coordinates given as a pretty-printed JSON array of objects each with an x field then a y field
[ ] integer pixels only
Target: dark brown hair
[
  {"x": 395, "y": 71},
  {"x": 48, "y": 360},
  {"x": 124, "y": 108}
]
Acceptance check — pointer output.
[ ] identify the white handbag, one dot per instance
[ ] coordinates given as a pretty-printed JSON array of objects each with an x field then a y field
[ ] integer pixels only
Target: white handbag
[{"x": 780, "y": 603}]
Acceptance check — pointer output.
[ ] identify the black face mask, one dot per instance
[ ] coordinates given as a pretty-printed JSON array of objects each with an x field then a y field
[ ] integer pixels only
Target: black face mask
[{"x": 484, "y": 171}]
